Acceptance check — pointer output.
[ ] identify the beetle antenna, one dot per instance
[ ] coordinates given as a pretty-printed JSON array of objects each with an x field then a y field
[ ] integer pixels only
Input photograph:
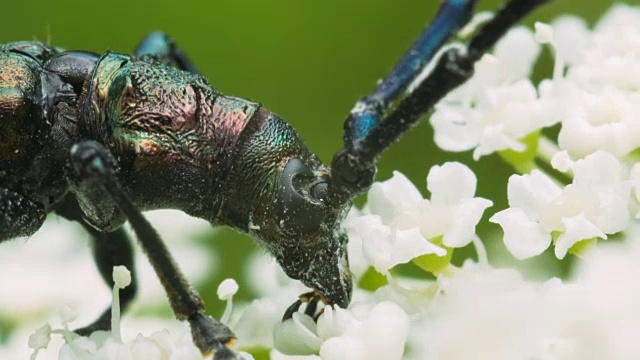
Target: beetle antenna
[{"x": 368, "y": 132}]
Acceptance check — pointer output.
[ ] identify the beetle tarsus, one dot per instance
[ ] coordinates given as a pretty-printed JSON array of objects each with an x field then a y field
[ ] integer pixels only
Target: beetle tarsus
[{"x": 209, "y": 335}]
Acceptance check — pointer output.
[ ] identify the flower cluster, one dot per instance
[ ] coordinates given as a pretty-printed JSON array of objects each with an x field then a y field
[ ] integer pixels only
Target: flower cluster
[
  {"x": 594, "y": 100},
  {"x": 109, "y": 345},
  {"x": 100, "y": 345},
  {"x": 568, "y": 191},
  {"x": 398, "y": 225}
]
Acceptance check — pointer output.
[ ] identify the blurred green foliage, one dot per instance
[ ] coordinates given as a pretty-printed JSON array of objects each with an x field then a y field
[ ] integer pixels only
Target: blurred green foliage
[{"x": 308, "y": 61}]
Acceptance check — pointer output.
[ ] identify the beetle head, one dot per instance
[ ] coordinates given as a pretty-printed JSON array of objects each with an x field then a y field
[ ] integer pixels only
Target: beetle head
[
  {"x": 320, "y": 261},
  {"x": 277, "y": 192}
]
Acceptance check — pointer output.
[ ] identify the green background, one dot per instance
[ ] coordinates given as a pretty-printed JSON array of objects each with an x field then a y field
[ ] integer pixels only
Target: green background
[{"x": 308, "y": 61}]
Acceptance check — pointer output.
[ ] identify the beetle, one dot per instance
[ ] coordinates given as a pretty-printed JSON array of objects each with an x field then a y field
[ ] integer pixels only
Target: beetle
[{"x": 99, "y": 138}]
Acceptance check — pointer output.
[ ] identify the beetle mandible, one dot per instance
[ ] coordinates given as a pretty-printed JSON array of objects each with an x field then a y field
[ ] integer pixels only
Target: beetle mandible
[{"x": 98, "y": 138}]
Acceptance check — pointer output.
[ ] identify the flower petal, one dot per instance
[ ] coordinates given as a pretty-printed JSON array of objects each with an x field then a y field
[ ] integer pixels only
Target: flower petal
[
  {"x": 456, "y": 128},
  {"x": 334, "y": 321},
  {"x": 451, "y": 183},
  {"x": 410, "y": 244},
  {"x": 522, "y": 237},
  {"x": 576, "y": 228},
  {"x": 463, "y": 226},
  {"x": 296, "y": 336},
  {"x": 377, "y": 244},
  {"x": 393, "y": 197},
  {"x": 531, "y": 193}
]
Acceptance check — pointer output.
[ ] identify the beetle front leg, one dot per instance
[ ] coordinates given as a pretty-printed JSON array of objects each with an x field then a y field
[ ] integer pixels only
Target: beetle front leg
[
  {"x": 94, "y": 167},
  {"x": 19, "y": 216},
  {"x": 160, "y": 47}
]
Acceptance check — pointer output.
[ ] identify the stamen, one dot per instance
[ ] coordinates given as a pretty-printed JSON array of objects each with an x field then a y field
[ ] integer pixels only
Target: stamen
[
  {"x": 226, "y": 290},
  {"x": 544, "y": 35},
  {"x": 483, "y": 259},
  {"x": 39, "y": 340},
  {"x": 121, "y": 278}
]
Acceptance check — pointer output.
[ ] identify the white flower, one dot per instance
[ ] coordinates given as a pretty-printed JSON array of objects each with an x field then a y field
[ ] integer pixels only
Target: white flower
[
  {"x": 499, "y": 119},
  {"x": 277, "y": 355},
  {"x": 595, "y": 204},
  {"x": 398, "y": 224},
  {"x": 366, "y": 332},
  {"x": 571, "y": 38},
  {"x": 497, "y": 107},
  {"x": 544, "y": 33},
  {"x": 610, "y": 120},
  {"x": 612, "y": 293},
  {"x": 452, "y": 187},
  {"x": 484, "y": 313},
  {"x": 496, "y": 314},
  {"x": 512, "y": 60},
  {"x": 253, "y": 324},
  {"x": 160, "y": 345},
  {"x": 103, "y": 345},
  {"x": 523, "y": 235},
  {"x": 612, "y": 59},
  {"x": 40, "y": 339}
]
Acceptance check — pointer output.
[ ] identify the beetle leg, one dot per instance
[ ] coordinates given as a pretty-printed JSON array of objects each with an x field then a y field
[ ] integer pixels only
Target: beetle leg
[
  {"x": 94, "y": 167},
  {"x": 109, "y": 249},
  {"x": 160, "y": 47},
  {"x": 369, "y": 129},
  {"x": 19, "y": 216}
]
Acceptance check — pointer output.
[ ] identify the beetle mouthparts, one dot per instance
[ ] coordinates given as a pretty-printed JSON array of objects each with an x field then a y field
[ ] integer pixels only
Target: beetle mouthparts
[{"x": 311, "y": 299}]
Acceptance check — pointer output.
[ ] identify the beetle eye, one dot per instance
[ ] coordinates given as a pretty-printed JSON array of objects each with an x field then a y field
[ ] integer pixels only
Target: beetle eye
[
  {"x": 318, "y": 190},
  {"x": 300, "y": 195}
]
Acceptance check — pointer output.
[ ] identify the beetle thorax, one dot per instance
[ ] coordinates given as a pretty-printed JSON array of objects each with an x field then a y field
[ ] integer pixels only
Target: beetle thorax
[{"x": 169, "y": 129}]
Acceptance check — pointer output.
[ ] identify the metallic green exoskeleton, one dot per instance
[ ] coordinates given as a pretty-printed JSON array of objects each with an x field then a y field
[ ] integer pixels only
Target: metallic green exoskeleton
[{"x": 98, "y": 138}]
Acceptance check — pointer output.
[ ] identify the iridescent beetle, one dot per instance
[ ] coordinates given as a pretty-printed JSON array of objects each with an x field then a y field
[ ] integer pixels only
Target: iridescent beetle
[{"x": 97, "y": 139}]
